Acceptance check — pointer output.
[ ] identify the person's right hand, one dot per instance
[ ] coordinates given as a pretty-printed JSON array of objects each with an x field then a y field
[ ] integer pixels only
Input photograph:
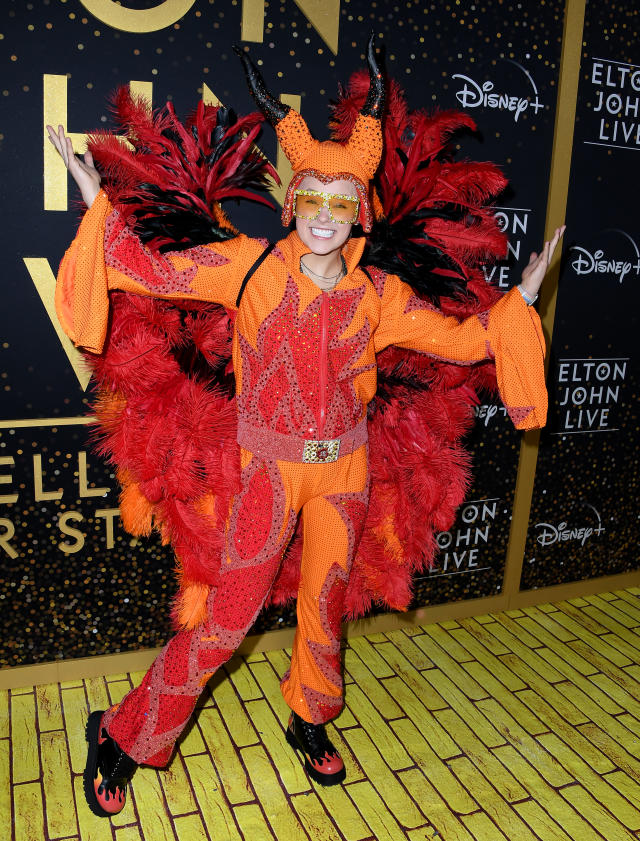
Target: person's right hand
[{"x": 82, "y": 170}]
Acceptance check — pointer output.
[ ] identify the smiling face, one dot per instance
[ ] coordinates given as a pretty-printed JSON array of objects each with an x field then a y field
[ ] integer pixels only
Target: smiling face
[{"x": 322, "y": 235}]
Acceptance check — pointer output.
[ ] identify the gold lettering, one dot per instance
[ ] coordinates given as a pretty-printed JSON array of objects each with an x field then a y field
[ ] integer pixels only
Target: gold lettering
[
  {"x": 208, "y": 96},
  {"x": 109, "y": 514},
  {"x": 10, "y": 530},
  {"x": 45, "y": 282},
  {"x": 55, "y": 114},
  {"x": 324, "y": 16},
  {"x": 39, "y": 494},
  {"x": 55, "y": 174},
  {"x": 6, "y": 479},
  {"x": 71, "y": 548},
  {"x": 164, "y": 14},
  {"x": 85, "y": 490},
  {"x": 142, "y": 89},
  {"x": 252, "y": 26}
]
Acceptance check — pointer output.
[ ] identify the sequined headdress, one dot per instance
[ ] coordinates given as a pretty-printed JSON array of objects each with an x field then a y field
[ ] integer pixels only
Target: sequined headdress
[{"x": 355, "y": 160}]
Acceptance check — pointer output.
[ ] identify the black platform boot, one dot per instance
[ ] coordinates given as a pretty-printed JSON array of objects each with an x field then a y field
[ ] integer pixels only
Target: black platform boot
[
  {"x": 321, "y": 759},
  {"x": 107, "y": 772}
]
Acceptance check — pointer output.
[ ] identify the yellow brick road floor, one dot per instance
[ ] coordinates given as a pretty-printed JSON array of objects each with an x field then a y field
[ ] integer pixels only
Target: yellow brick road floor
[{"x": 519, "y": 725}]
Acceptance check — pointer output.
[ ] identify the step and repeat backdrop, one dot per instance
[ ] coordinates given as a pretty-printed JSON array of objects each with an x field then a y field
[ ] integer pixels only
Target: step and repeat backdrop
[
  {"x": 585, "y": 517},
  {"x": 73, "y": 583}
]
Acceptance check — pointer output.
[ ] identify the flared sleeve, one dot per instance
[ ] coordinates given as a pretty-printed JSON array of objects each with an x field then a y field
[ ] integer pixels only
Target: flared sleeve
[
  {"x": 106, "y": 254},
  {"x": 82, "y": 299},
  {"x": 509, "y": 333}
]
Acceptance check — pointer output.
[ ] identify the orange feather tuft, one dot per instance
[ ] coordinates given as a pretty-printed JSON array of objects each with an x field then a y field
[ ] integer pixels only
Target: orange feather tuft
[
  {"x": 206, "y": 505},
  {"x": 108, "y": 407},
  {"x": 135, "y": 510},
  {"x": 386, "y": 533},
  {"x": 191, "y": 605}
]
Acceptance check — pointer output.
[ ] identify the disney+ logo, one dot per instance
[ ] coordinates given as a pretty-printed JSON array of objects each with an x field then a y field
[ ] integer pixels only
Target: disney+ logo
[
  {"x": 600, "y": 262},
  {"x": 548, "y": 533},
  {"x": 474, "y": 94}
]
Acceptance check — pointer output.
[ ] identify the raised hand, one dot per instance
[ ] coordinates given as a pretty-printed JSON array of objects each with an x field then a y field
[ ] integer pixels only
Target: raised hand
[
  {"x": 535, "y": 270},
  {"x": 82, "y": 169}
]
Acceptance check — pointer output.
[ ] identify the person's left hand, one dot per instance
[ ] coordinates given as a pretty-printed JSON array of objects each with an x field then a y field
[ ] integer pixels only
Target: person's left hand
[{"x": 534, "y": 272}]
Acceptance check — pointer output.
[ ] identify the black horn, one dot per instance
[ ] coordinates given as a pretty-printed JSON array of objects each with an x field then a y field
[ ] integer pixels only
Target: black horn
[
  {"x": 374, "y": 102},
  {"x": 272, "y": 108}
]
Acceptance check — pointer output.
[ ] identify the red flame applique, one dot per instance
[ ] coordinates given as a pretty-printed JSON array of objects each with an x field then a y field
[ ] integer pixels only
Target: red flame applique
[{"x": 280, "y": 376}]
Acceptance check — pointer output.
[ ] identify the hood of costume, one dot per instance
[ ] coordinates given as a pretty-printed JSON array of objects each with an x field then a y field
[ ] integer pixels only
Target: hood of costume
[{"x": 355, "y": 159}]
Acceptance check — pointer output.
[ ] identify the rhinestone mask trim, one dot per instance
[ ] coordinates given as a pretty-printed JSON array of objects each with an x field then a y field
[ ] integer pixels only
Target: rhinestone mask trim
[{"x": 326, "y": 202}]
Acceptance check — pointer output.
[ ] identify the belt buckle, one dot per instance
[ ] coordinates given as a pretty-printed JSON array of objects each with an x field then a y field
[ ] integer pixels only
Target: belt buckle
[{"x": 320, "y": 452}]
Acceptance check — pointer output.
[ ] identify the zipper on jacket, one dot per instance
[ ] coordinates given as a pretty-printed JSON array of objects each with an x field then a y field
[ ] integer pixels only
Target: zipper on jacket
[{"x": 323, "y": 367}]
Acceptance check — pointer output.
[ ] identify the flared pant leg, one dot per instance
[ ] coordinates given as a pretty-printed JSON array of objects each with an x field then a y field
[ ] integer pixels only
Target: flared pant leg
[
  {"x": 332, "y": 525},
  {"x": 149, "y": 720}
]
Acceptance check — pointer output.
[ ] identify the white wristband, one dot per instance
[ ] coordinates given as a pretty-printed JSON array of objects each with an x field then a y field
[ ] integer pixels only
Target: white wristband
[{"x": 527, "y": 298}]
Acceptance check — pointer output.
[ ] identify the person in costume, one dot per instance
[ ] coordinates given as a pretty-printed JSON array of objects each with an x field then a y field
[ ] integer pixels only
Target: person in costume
[{"x": 309, "y": 323}]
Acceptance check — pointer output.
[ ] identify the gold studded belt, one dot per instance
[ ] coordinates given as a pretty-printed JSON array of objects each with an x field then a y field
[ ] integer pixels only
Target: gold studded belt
[{"x": 275, "y": 445}]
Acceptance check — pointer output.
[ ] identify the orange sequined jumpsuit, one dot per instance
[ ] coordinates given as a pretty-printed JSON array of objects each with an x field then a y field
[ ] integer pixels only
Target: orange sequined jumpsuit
[{"x": 305, "y": 369}]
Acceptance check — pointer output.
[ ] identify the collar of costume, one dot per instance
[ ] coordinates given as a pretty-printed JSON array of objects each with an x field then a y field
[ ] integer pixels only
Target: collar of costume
[{"x": 293, "y": 249}]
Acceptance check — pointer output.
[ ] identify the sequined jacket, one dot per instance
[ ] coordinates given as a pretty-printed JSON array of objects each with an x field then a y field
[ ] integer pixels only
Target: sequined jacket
[{"x": 304, "y": 359}]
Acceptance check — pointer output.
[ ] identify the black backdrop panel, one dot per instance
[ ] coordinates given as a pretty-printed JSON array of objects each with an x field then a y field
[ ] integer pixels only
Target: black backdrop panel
[
  {"x": 60, "y": 63},
  {"x": 584, "y": 518}
]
